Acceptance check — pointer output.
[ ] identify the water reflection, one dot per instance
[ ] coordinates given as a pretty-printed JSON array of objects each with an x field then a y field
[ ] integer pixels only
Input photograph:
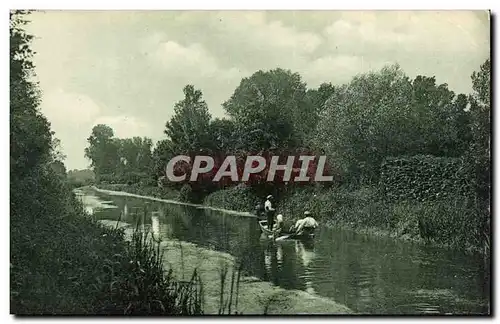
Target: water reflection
[
  {"x": 273, "y": 260},
  {"x": 305, "y": 251},
  {"x": 371, "y": 275},
  {"x": 155, "y": 225}
]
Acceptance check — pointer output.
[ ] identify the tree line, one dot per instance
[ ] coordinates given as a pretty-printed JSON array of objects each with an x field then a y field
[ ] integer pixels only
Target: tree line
[
  {"x": 357, "y": 125},
  {"x": 63, "y": 261}
]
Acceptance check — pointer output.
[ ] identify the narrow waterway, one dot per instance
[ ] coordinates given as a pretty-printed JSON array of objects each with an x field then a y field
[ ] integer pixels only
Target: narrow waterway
[{"x": 367, "y": 274}]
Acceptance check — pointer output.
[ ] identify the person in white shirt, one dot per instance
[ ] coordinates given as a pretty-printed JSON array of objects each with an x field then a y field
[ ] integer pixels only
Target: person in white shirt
[
  {"x": 279, "y": 222},
  {"x": 304, "y": 225},
  {"x": 268, "y": 208}
]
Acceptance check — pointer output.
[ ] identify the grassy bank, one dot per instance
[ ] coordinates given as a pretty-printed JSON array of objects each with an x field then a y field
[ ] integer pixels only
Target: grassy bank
[
  {"x": 452, "y": 222},
  {"x": 226, "y": 289},
  {"x": 157, "y": 192},
  {"x": 70, "y": 264}
]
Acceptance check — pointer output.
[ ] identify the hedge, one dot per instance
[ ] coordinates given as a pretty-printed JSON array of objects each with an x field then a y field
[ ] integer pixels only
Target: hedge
[{"x": 423, "y": 178}]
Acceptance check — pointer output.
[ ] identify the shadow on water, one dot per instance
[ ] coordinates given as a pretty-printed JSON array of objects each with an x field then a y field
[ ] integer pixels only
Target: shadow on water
[{"x": 368, "y": 274}]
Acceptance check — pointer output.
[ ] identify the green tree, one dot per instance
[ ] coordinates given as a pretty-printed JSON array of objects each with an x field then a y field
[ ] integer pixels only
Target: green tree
[
  {"x": 320, "y": 96},
  {"x": 186, "y": 129},
  {"x": 271, "y": 110},
  {"x": 135, "y": 154},
  {"x": 30, "y": 134},
  {"x": 103, "y": 150},
  {"x": 441, "y": 118},
  {"x": 162, "y": 153},
  {"x": 223, "y": 135},
  {"x": 363, "y": 121},
  {"x": 384, "y": 113},
  {"x": 480, "y": 149}
]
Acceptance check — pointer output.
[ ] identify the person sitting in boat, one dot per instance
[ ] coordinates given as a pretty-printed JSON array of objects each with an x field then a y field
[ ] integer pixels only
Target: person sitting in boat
[
  {"x": 279, "y": 223},
  {"x": 306, "y": 225},
  {"x": 268, "y": 208}
]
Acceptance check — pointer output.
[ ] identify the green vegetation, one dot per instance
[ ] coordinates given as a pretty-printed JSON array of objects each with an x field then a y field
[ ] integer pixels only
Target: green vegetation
[
  {"x": 81, "y": 178},
  {"x": 63, "y": 262},
  {"x": 237, "y": 198},
  {"x": 424, "y": 178},
  {"x": 409, "y": 156},
  {"x": 452, "y": 222}
]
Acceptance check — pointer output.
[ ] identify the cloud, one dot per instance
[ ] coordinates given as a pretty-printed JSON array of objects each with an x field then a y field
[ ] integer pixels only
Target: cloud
[
  {"x": 65, "y": 108},
  {"x": 71, "y": 116},
  {"x": 409, "y": 31},
  {"x": 126, "y": 126},
  {"x": 191, "y": 60},
  {"x": 128, "y": 69},
  {"x": 191, "y": 64},
  {"x": 273, "y": 35},
  {"x": 340, "y": 68}
]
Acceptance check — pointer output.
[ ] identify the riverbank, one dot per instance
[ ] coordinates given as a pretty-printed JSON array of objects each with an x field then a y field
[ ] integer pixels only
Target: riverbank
[
  {"x": 447, "y": 224},
  {"x": 69, "y": 264},
  {"x": 450, "y": 223},
  {"x": 250, "y": 297}
]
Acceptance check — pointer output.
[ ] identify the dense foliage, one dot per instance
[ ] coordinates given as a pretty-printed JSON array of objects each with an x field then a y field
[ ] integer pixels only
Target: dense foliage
[
  {"x": 409, "y": 142},
  {"x": 424, "y": 178},
  {"x": 118, "y": 160},
  {"x": 63, "y": 262},
  {"x": 381, "y": 114}
]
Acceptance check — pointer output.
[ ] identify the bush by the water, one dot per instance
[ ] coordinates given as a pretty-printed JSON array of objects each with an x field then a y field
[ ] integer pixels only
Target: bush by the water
[
  {"x": 61, "y": 261},
  {"x": 239, "y": 198},
  {"x": 454, "y": 222},
  {"x": 130, "y": 178},
  {"x": 424, "y": 178}
]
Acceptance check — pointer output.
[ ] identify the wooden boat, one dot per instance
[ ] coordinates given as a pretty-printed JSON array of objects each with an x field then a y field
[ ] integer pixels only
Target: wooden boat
[
  {"x": 265, "y": 230},
  {"x": 306, "y": 236},
  {"x": 290, "y": 236}
]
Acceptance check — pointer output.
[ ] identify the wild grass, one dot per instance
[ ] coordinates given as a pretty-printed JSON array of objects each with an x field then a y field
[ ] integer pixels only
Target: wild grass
[{"x": 71, "y": 264}]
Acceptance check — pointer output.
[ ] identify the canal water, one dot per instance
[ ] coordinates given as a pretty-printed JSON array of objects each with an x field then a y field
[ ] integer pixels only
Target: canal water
[{"x": 368, "y": 274}]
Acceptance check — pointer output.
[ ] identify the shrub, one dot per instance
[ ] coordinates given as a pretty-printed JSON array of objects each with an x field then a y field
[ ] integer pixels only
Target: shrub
[
  {"x": 239, "y": 198},
  {"x": 423, "y": 178}
]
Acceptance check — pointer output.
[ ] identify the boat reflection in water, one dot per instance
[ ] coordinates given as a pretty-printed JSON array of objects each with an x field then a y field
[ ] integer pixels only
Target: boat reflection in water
[
  {"x": 272, "y": 255},
  {"x": 305, "y": 251},
  {"x": 273, "y": 259}
]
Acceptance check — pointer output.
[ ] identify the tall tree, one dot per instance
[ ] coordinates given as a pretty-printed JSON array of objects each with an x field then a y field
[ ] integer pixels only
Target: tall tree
[
  {"x": 134, "y": 154},
  {"x": 30, "y": 134},
  {"x": 271, "y": 110},
  {"x": 480, "y": 149},
  {"x": 190, "y": 122},
  {"x": 384, "y": 113},
  {"x": 162, "y": 153},
  {"x": 320, "y": 96},
  {"x": 223, "y": 135},
  {"x": 362, "y": 119},
  {"x": 103, "y": 150}
]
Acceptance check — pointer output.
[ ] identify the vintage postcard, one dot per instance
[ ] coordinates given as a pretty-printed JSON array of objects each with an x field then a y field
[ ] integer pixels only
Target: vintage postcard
[{"x": 250, "y": 163}]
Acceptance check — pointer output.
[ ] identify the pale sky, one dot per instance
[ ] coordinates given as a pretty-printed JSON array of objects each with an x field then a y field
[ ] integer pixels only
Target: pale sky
[{"x": 126, "y": 69}]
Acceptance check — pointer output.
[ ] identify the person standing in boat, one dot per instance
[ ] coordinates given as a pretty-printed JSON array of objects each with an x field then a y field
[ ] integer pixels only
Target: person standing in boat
[
  {"x": 306, "y": 225},
  {"x": 269, "y": 209}
]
